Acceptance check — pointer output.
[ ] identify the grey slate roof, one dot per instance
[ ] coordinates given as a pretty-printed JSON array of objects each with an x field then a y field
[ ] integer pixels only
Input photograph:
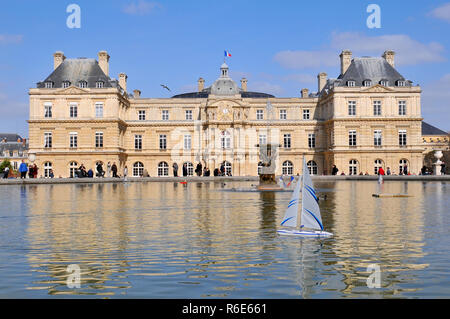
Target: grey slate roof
[
  {"x": 428, "y": 129},
  {"x": 370, "y": 68},
  {"x": 10, "y": 137},
  {"x": 205, "y": 93},
  {"x": 76, "y": 70}
]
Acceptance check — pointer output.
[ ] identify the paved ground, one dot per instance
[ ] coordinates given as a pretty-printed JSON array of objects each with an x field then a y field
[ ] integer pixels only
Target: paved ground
[{"x": 18, "y": 181}]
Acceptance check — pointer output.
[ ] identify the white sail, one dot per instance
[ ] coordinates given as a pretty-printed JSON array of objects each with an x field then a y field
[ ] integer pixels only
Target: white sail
[
  {"x": 290, "y": 217},
  {"x": 310, "y": 214}
]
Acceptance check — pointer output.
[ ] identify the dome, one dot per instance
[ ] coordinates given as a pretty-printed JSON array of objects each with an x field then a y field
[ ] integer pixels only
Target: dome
[{"x": 224, "y": 85}]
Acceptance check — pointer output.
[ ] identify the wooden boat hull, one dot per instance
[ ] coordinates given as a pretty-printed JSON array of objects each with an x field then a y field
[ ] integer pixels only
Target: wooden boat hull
[{"x": 304, "y": 233}]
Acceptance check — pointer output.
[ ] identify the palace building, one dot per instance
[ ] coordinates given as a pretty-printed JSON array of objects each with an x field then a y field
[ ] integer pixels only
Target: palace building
[{"x": 366, "y": 118}]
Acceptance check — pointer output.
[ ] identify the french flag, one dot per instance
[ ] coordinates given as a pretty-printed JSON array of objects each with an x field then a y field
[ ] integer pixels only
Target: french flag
[{"x": 227, "y": 54}]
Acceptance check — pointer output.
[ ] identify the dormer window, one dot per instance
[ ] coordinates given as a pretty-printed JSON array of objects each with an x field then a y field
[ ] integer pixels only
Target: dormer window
[
  {"x": 82, "y": 84},
  {"x": 367, "y": 83},
  {"x": 99, "y": 84},
  {"x": 384, "y": 82},
  {"x": 48, "y": 85},
  {"x": 401, "y": 83},
  {"x": 65, "y": 84},
  {"x": 351, "y": 83}
]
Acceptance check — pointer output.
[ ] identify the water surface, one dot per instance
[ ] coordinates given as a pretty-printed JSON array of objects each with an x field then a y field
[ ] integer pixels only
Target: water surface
[{"x": 168, "y": 240}]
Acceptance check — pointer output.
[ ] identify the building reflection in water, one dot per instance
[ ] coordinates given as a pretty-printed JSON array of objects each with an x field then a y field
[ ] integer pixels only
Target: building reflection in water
[{"x": 198, "y": 240}]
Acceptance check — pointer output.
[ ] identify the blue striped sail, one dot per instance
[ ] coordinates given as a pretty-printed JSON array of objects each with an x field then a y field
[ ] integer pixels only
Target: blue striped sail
[
  {"x": 310, "y": 215},
  {"x": 290, "y": 217}
]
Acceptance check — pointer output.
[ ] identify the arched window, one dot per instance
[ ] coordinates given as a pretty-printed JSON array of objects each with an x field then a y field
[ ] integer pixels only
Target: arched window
[
  {"x": 353, "y": 167},
  {"x": 138, "y": 169},
  {"x": 47, "y": 169},
  {"x": 190, "y": 168},
  {"x": 73, "y": 166},
  {"x": 378, "y": 164},
  {"x": 312, "y": 167},
  {"x": 163, "y": 169},
  {"x": 403, "y": 167},
  {"x": 260, "y": 167},
  {"x": 227, "y": 166},
  {"x": 225, "y": 140},
  {"x": 287, "y": 168}
]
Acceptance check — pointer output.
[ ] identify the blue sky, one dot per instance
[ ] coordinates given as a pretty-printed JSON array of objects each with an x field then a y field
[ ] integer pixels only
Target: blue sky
[{"x": 280, "y": 46}]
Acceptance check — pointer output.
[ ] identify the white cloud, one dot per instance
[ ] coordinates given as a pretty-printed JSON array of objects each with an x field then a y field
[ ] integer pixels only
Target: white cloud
[
  {"x": 408, "y": 51},
  {"x": 442, "y": 12},
  {"x": 10, "y": 38},
  {"x": 141, "y": 7}
]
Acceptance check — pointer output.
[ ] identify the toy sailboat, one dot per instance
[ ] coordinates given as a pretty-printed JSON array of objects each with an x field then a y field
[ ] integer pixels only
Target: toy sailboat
[{"x": 311, "y": 221}]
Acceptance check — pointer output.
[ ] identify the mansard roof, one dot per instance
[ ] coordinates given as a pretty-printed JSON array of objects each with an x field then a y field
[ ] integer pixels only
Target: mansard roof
[
  {"x": 370, "y": 68},
  {"x": 428, "y": 129},
  {"x": 76, "y": 70}
]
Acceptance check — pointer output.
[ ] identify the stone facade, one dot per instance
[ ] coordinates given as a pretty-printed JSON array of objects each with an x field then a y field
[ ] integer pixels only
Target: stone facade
[{"x": 85, "y": 117}]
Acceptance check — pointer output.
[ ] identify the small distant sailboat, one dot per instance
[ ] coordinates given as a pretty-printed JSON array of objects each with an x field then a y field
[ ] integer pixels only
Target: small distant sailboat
[{"x": 311, "y": 221}]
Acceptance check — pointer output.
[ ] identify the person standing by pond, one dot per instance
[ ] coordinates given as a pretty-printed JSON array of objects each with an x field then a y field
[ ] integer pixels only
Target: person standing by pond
[
  {"x": 35, "y": 171},
  {"x": 335, "y": 170},
  {"x": 23, "y": 169},
  {"x": 175, "y": 169},
  {"x": 6, "y": 172},
  {"x": 114, "y": 169},
  {"x": 125, "y": 172},
  {"x": 184, "y": 169},
  {"x": 108, "y": 169}
]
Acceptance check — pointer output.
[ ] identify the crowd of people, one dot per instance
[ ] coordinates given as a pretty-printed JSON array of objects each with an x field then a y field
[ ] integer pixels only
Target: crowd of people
[{"x": 200, "y": 170}]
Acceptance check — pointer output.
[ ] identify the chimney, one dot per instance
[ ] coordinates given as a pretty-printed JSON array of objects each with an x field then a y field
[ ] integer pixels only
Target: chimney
[
  {"x": 201, "y": 84},
  {"x": 346, "y": 59},
  {"x": 389, "y": 56},
  {"x": 244, "y": 84},
  {"x": 24, "y": 142},
  {"x": 58, "y": 58},
  {"x": 123, "y": 81},
  {"x": 103, "y": 62},
  {"x": 305, "y": 93},
  {"x": 136, "y": 93},
  {"x": 322, "y": 77}
]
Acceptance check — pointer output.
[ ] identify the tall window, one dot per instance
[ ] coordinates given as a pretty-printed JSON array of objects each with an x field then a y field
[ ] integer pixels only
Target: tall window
[
  {"x": 402, "y": 137},
  {"x": 47, "y": 169},
  {"x": 73, "y": 166},
  {"x": 165, "y": 115},
  {"x": 259, "y": 114},
  {"x": 401, "y": 83},
  {"x": 141, "y": 115},
  {"x": 99, "y": 84},
  {"x": 227, "y": 166},
  {"x": 187, "y": 142},
  {"x": 73, "y": 110},
  {"x": 283, "y": 114},
  {"x": 48, "y": 85},
  {"x": 377, "y": 166},
  {"x": 138, "y": 169},
  {"x": 306, "y": 114},
  {"x": 384, "y": 82},
  {"x": 367, "y": 83},
  {"x": 377, "y": 138},
  {"x": 376, "y": 108},
  {"x": 401, "y": 107},
  {"x": 312, "y": 167},
  {"x": 163, "y": 169},
  {"x": 99, "y": 109},
  {"x": 351, "y": 107},
  {"x": 287, "y": 141},
  {"x": 138, "y": 142},
  {"x": 402, "y": 165},
  {"x": 65, "y": 84},
  {"x": 73, "y": 140},
  {"x": 188, "y": 115},
  {"x": 190, "y": 168},
  {"x": 225, "y": 140},
  {"x": 352, "y": 138},
  {"x": 48, "y": 110},
  {"x": 48, "y": 140},
  {"x": 353, "y": 167},
  {"x": 162, "y": 142},
  {"x": 351, "y": 83},
  {"x": 287, "y": 168},
  {"x": 99, "y": 139},
  {"x": 311, "y": 140},
  {"x": 262, "y": 139}
]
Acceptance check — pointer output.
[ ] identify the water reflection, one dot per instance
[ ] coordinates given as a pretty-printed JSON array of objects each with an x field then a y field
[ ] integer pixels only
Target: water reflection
[{"x": 172, "y": 240}]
